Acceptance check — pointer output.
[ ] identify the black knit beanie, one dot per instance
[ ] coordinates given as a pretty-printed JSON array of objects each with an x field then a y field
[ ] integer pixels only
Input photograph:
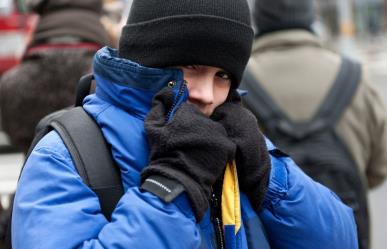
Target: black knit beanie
[
  {"x": 274, "y": 15},
  {"x": 163, "y": 33}
]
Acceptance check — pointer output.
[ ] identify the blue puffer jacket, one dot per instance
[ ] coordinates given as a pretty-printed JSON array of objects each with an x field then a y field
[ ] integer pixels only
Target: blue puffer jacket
[{"x": 54, "y": 209}]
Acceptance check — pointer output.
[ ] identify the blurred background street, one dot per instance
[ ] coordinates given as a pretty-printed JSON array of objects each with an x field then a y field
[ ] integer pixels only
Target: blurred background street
[{"x": 355, "y": 28}]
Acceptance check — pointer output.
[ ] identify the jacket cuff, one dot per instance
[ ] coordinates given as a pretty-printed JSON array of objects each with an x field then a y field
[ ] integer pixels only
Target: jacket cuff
[{"x": 163, "y": 187}]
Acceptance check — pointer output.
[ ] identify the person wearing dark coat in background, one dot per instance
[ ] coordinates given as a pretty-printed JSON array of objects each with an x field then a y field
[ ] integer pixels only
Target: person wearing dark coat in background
[{"x": 68, "y": 34}]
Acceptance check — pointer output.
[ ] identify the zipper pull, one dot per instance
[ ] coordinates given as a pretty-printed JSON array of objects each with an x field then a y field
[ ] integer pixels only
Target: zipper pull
[
  {"x": 214, "y": 201},
  {"x": 179, "y": 95}
]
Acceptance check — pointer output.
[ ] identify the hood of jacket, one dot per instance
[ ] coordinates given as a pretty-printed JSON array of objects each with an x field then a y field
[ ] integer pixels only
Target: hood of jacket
[
  {"x": 129, "y": 85},
  {"x": 123, "y": 97}
]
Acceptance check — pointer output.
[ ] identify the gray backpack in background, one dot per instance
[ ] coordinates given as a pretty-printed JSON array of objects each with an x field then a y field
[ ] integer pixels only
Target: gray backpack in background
[{"x": 314, "y": 145}]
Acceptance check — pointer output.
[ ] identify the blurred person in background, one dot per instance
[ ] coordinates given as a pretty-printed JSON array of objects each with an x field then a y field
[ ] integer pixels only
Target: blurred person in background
[
  {"x": 295, "y": 70},
  {"x": 66, "y": 38},
  {"x": 68, "y": 34},
  {"x": 174, "y": 153},
  {"x": 16, "y": 27}
]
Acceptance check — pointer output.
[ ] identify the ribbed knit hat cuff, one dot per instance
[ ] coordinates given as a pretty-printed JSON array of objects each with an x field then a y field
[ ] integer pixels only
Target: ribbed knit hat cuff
[{"x": 188, "y": 40}]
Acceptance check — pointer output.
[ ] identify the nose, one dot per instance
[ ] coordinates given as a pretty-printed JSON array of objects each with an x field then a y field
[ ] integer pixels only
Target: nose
[{"x": 201, "y": 93}]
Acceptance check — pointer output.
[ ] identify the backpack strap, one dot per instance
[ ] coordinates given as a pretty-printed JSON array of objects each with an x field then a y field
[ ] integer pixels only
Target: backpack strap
[
  {"x": 271, "y": 115},
  {"x": 259, "y": 102},
  {"x": 91, "y": 155},
  {"x": 84, "y": 87},
  {"x": 88, "y": 149},
  {"x": 341, "y": 93}
]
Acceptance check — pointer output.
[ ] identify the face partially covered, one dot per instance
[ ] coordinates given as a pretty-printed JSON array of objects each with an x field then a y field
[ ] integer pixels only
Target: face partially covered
[{"x": 208, "y": 86}]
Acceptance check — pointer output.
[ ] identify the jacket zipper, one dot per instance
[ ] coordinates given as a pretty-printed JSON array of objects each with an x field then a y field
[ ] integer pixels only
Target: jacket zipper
[
  {"x": 215, "y": 207},
  {"x": 217, "y": 220},
  {"x": 179, "y": 94}
]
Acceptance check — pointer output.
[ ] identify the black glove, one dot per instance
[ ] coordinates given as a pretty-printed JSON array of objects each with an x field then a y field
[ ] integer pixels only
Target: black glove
[
  {"x": 191, "y": 149},
  {"x": 252, "y": 157}
]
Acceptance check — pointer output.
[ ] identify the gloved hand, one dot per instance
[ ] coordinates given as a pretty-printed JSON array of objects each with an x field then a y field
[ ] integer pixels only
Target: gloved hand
[
  {"x": 191, "y": 149},
  {"x": 252, "y": 157}
]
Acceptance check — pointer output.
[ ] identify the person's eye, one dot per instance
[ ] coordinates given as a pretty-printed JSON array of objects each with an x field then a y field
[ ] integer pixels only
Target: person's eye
[{"x": 224, "y": 75}]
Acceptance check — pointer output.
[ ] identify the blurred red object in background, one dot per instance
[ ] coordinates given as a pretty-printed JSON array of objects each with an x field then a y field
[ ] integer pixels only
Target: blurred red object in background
[{"x": 16, "y": 29}]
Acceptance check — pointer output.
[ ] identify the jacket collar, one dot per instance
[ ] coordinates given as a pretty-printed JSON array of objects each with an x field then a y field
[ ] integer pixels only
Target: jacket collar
[
  {"x": 294, "y": 37},
  {"x": 127, "y": 84}
]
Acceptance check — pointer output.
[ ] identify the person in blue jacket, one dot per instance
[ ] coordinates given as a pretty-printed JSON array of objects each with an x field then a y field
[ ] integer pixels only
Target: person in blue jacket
[{"x": 196, "y": 170}]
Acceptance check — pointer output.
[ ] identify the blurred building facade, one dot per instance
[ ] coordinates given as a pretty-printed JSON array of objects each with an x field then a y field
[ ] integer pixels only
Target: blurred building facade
[{"x": 358, "y": 18}]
